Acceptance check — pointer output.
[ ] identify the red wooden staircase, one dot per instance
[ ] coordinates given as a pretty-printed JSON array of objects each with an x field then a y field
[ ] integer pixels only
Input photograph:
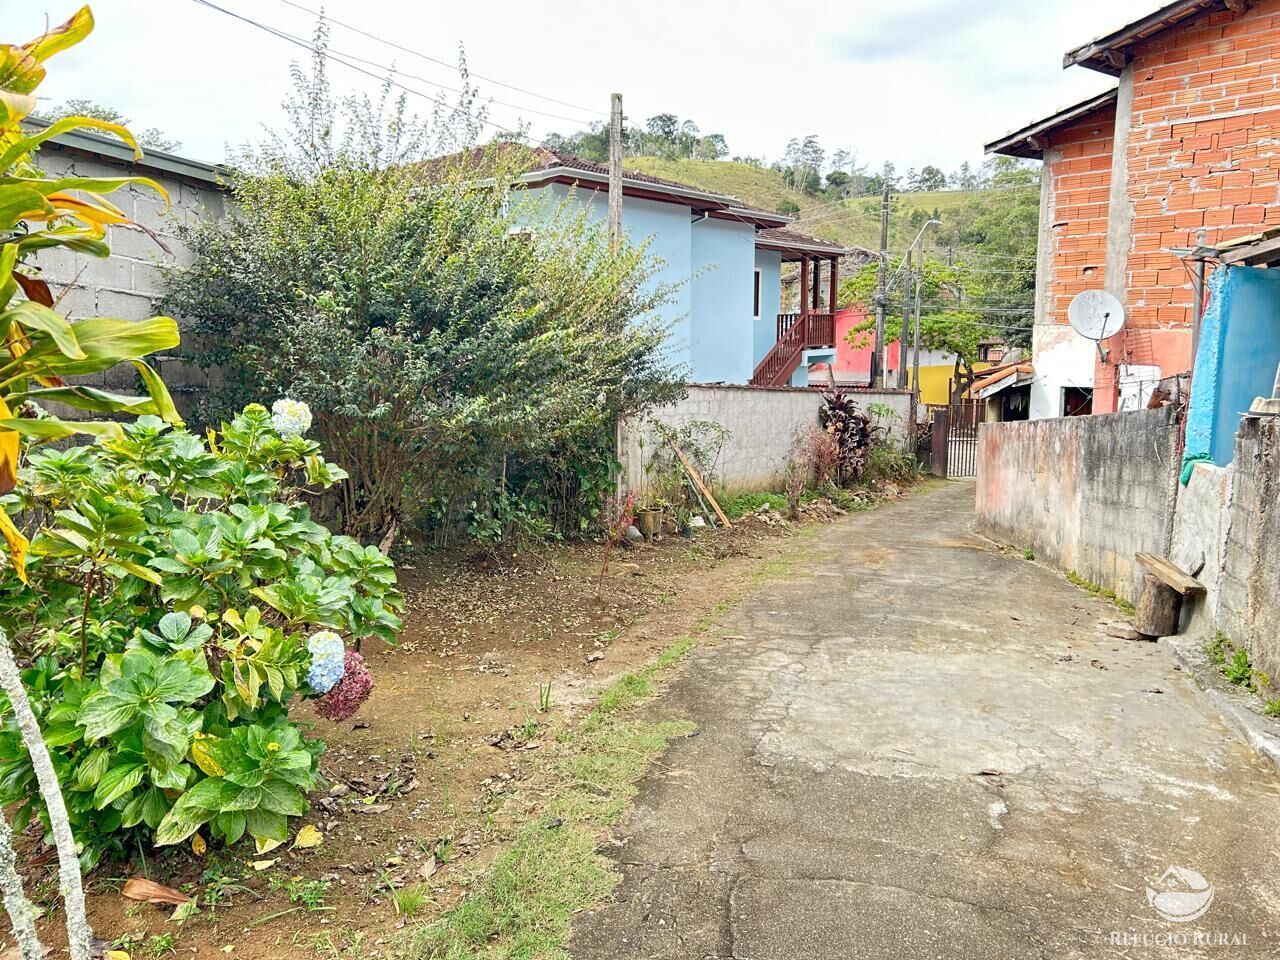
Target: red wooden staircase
[{"x": 797, "y": 332}]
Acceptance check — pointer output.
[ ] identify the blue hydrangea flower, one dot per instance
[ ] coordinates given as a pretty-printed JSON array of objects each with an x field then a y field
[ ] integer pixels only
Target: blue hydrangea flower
[
  {"x": 328, "y": 660},
  {"x": 291, "y": 418}
]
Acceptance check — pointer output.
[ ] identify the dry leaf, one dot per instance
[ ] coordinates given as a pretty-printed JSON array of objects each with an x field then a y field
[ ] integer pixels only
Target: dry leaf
[
  {"x": 307, "y": 838},
  {"x": 135, "y": 888},
  {"x": 428, "y": 869},
  {"x": 261, "y": 865}
]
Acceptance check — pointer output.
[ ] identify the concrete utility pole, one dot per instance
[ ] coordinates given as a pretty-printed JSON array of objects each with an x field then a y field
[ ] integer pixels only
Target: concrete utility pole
[
  {"x": 615, "y": 168},
  {"x": 882, "y": 269},
  {"x": 915, "y": 350},
  {"x": 906, "y": 324}
]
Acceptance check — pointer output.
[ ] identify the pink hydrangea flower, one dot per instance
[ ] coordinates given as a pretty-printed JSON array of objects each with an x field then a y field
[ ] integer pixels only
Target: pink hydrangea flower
[{"x": 344, "y": 699}]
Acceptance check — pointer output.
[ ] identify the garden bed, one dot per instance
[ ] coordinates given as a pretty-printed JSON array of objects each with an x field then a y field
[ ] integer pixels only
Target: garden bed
[{"x": 428, "y": 779}]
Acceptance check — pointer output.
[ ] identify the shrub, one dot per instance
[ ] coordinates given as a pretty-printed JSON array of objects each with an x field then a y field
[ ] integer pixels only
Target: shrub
[
  {"x": 174, "y": 582},
  {"x": 854, "y": 431},
  {"x": 466, "y": 370}
]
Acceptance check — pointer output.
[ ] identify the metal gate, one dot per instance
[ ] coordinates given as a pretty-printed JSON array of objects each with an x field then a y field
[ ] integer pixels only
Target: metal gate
[{"x": 954, "y": 438}]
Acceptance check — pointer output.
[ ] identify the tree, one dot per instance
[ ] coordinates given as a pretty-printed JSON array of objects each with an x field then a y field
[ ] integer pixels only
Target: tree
[
  {"x": 80, "y": 107},
  {"x": 663, "y": 126},
  {"x": 712, "y": 147},
  {"x": 465, "y": 369},
  {"x": 837, "y": 181},
  {"x": 931, "y": 178},
  {"x": 947, "y": 322}
]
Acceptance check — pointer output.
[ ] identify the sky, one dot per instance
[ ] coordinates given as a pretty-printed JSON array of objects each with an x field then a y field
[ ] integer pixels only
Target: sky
[{"x": 911, "y": 81}]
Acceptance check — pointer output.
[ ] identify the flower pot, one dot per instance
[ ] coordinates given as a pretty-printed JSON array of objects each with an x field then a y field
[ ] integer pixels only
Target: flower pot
[{"x": 650, "y": 523}]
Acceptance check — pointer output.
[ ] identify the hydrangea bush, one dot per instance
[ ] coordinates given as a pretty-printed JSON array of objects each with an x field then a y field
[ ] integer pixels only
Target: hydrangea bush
[{"x": 179, "y": 597}]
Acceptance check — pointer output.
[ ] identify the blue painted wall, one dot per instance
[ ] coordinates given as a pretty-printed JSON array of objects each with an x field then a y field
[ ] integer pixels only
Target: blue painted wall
[
  {"x": 765, "y": 332},
  {"x": 1236, "y": 357},
  {"x": 724, "y": 262},
  {"x": 713, "y": 335}
]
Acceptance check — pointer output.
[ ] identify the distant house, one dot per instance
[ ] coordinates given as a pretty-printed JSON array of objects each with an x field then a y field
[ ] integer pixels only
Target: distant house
[
  {"x": 851, "y": 366},
  {"x": 1184, "y": 152},
  {"x": 726, "y": 257}
]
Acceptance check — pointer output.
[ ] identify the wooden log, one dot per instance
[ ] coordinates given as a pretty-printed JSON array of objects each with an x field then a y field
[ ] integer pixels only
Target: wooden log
[{"x": 1156, "y": 613}]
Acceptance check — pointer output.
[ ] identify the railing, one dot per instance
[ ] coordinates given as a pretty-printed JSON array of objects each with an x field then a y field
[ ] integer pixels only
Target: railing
[{"x": 797, "y": 332}]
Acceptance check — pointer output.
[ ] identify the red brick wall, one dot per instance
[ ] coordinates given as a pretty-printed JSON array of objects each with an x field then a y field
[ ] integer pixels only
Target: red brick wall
[
  {"x": 1079, "y": 167},
  {"x": 1204, "y": 150}
]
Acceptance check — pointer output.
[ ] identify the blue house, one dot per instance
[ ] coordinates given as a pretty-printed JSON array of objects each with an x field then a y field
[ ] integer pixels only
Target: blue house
[
  {"x": 726, "y": 258},
  {"x": 1236, "y": 347}
]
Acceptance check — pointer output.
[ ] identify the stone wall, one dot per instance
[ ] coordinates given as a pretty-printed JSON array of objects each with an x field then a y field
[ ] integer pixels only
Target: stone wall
[
  {"x": 128, "y": 284},
  {"x": 1083, "y": 493},
  {"x": 762, "y": 422}
]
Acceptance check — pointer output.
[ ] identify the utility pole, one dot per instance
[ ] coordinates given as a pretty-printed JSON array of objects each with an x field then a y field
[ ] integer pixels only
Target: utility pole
[
  {"x": 906, "y": 324},
  {"x": 915, "y": 358},
  {"x": 615, "y": 169},
  {"x": 882, "y": 270}
]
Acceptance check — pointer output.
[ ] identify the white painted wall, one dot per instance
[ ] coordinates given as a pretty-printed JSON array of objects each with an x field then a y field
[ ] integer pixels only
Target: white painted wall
[
  {"x": 1062, "y": 358},
  {"x": 762, "y": 422}
]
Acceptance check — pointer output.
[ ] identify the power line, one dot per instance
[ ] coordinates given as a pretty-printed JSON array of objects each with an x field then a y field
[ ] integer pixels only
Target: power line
[
  {"x": 339, "y": 56},
  {"x": 443, "y": 63}
]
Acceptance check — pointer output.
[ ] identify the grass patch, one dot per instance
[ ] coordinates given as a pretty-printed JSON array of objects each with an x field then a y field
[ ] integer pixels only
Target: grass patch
[
  {"x": 1237, "y": 669},
  {"x": 1100, "y": 592},
  {"x": 740, "y": 504}
]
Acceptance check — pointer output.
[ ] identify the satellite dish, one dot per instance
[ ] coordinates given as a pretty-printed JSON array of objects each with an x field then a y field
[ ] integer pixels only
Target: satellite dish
[{"x": 1095, "y": 315}]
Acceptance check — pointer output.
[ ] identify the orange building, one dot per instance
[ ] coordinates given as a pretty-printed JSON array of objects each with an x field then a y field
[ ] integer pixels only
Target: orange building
[{"x": 1183, "y": 152}]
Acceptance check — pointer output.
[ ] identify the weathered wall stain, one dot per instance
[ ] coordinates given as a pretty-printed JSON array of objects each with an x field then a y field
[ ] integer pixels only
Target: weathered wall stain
[{"x": 1084, "y": 493}]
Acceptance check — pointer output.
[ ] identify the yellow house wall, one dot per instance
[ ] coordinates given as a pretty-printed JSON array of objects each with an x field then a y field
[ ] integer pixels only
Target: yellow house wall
[{"x": 935, "y": 381}]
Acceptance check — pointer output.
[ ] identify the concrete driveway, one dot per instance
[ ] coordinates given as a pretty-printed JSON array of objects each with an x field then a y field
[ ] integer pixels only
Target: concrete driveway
[{"x": 918, "y": 746}]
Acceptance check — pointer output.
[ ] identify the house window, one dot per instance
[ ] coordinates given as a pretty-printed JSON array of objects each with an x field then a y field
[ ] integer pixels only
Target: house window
[
  {"x": 756, "y": 308},
  {"x": 1077, "y": 401}
]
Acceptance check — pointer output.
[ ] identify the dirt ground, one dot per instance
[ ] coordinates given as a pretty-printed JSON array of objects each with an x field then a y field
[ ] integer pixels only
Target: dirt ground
[{"x": 426, "y": 780}]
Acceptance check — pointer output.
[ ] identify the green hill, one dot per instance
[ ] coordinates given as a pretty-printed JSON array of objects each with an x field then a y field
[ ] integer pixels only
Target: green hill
[{"x": 851, "y": 221}]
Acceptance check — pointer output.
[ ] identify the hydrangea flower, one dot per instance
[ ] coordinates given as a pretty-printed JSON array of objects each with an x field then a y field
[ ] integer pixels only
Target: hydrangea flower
[
  {"x": 291, "y": 418},
  {"x": 327, "y": 661},
  {"x": 349, "y": 692}
]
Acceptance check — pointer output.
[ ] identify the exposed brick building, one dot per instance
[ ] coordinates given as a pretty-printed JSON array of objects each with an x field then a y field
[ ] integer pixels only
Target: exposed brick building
[{"x": 1184, "y": 152}]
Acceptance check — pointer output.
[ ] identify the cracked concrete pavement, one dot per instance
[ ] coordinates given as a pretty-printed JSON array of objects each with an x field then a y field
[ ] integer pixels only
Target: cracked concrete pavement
[{"x": 917, "y": 746}]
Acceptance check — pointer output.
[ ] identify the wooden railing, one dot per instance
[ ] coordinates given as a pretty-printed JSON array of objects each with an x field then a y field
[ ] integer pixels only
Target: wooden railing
[{"x": 797, "y": 332}]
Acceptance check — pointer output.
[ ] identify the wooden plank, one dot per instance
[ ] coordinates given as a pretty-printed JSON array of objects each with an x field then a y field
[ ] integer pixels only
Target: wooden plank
[
  {"x": 1169, "y": 574},
  {"x": 1263, "y": 251},
  {"x": 697, "y": 482}
]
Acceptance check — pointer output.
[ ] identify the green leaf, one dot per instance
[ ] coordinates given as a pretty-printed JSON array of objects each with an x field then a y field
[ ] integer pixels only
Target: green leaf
[
  {"x": 37, "y": 317},
  {"x": 283, "y": 797},
  {"x": 179, "y": 823},
  {"x": 117, "y": 782},
  {"x": 102, "y": 714},
  {"x": 92, "y": 767},
  {"x": 266, "y": 825}
]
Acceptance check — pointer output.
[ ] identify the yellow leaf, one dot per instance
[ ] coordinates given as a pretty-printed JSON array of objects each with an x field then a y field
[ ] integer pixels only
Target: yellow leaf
[
  {"x": 203, "y": 757},
  {"x": 17, "y": 544},
  {"x": 197, "y": 845},
  {"x": 307, "y": 838},
  {"x": 198, "y": 612},
  {"x": 265, "y": 844},
  {"x": 261, "y": 865},
  {"x": 116, "y": 955}
]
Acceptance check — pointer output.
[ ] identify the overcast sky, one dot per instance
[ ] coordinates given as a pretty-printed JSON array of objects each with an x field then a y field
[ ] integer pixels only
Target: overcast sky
[{"x": 912, "y": 81}]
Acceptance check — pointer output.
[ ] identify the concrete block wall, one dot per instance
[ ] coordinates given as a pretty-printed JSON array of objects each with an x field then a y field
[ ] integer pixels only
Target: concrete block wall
[
  {"x": 1084, "y": 493},
  {"x": 128, "y": 284},
  {"x": 1227, "y": 532},
  {"x": 762, "y": 422}
]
